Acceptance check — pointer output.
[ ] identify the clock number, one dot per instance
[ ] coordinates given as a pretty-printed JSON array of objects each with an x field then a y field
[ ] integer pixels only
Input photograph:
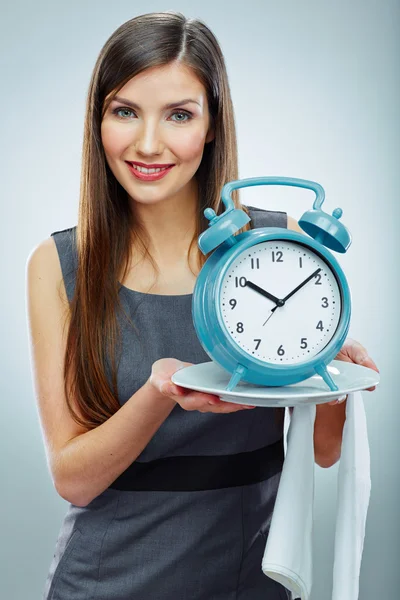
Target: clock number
[
  {"x": 257, "y": 262},
  {"x": 325, "y": 303},
  {"x": 281, "y": 351},
  {"x": 239, "y": 327},
  {"x": 279, "y": 255},
  {"x": 259, "y": 341},
  {"x": 232, "y": 302},
  {"x": 240, "y": 281},
  {"x": 301, "y": 262},
  {"x": 303, "y": 344},
  {"x": 320, "y": 326},
  {"x": 318, "y": 279}
]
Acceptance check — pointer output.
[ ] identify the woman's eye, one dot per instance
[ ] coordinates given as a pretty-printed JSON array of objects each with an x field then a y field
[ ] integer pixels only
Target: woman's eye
[
  {"x": 182, "y": 114},
  {"x": 120, "y": 109}
]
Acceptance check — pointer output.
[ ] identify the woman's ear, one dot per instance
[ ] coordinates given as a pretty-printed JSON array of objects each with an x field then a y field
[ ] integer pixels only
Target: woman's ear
[
  {"x": 210, "y": 135},
  {"x": 211, "y": 129}
]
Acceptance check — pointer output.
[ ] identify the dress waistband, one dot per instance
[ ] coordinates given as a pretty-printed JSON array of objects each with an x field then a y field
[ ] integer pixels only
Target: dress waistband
[{"x": 195, "y": 473}]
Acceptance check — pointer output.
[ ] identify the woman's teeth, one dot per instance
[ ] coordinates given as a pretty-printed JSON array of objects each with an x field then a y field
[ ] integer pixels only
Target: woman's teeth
[{"x": 144, "y": 170}]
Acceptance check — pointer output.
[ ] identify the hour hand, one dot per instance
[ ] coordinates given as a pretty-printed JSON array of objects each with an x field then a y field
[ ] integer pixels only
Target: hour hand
[{"x": 263, "y": 292}]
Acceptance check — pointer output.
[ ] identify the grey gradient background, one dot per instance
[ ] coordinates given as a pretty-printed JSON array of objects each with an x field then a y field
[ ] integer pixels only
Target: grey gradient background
[{"x": 316, "y": 92}]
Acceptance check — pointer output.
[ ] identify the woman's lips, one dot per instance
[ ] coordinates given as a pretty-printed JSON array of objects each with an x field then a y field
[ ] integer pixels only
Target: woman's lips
[{"x": 149, "y": 176}]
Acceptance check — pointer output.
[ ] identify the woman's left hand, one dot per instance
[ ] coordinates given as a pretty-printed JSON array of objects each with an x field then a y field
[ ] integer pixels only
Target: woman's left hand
[{"x": 353, "y": 352}]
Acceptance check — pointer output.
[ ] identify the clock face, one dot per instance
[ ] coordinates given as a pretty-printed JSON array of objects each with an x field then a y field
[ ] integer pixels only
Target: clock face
[{"x": 291, "y": 325}]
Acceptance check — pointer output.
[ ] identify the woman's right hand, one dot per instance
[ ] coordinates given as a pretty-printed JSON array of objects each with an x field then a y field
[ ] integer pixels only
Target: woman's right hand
[{"x": 160, "y": 378}]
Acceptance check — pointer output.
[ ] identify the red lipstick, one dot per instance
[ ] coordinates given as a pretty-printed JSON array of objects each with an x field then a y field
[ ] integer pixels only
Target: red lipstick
[{"x": 149, "y": 176}]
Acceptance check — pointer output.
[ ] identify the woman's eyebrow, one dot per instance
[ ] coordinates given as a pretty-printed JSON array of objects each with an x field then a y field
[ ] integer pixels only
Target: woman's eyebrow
[{"x": 171, "y": 105}]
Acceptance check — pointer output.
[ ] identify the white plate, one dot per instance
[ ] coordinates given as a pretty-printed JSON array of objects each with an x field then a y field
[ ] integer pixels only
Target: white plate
[{"x": 349, "y": 377}]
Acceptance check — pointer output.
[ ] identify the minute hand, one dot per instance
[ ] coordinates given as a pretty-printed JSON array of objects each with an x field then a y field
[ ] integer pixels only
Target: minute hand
[{"x": 301, "y": 285}]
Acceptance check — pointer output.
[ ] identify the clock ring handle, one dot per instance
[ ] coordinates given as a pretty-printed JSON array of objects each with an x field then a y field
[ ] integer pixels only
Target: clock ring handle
[
  {"x": 291, "y": 181},
  {"x": 323, "y": 227}
]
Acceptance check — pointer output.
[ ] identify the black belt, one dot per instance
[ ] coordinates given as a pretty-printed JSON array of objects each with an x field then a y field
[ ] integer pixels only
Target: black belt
[{"x": 194, "y": 473}]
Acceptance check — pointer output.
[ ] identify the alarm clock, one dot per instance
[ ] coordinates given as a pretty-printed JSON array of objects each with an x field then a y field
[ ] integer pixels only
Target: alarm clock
[{"x": 272, "y": 306}]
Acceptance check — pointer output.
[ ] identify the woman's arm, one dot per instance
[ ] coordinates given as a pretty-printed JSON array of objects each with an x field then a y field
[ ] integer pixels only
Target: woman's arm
[
  {"x": 86, "y": 465},
  {"x": 328, "y": 431},
  {"x": 82, "y": 462}
]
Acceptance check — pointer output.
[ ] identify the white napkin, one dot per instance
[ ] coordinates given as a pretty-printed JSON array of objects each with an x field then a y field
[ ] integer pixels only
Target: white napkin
[{"x": 288, "y": 551}]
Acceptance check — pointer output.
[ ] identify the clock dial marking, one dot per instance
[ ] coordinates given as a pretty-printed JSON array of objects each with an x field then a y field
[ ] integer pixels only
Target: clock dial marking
[{"x": 303, "y": 297}]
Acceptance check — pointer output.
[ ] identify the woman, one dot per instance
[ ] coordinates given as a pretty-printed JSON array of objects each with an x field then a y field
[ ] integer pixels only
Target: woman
[{"x": 167, "y": 499}]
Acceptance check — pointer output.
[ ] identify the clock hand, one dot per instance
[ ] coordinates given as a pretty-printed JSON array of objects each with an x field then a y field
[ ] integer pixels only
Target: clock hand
[
  {"x": 257, "y": 288},
  {"x": 300, "y": 285},
  {"x": 282, "y": 302},
  {"x": 272, "y": 312}
]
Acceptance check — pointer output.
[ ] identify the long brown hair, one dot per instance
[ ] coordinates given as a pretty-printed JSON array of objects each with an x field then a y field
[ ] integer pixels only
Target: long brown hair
[{"x": 106, "y": 226}]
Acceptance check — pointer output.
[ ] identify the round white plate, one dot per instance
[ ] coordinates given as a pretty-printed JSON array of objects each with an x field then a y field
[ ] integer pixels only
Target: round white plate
[{"x": 209, "y": 377}]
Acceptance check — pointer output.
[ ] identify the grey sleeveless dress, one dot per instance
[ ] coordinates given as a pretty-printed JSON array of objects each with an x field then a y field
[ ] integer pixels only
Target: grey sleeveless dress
[{"x": 189, "y": 518}]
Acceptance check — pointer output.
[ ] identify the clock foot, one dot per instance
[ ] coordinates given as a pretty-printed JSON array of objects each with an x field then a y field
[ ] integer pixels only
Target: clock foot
[
  {"x": 236, "y": 377},
  {"x": 323, "y": 372}
]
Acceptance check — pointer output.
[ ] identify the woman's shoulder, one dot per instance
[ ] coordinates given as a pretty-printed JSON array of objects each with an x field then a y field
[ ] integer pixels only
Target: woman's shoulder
[
  {"x": 47, "y": 249},
  {"x": 43, "y": 262}
]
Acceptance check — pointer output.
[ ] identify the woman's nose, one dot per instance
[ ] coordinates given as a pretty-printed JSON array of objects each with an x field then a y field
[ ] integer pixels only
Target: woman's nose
[{"x": 148, "y": 139}]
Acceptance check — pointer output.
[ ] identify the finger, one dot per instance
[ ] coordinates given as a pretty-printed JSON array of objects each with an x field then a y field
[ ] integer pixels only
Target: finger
[
  {"x": 204, "y": 398},
  {"x": 354, "y": 350},
  {"x": 368, "y": 362},
  {"x": 223, "y": 406},
  {"x": 227, "y": 407},
  {"x": 192, "y": 400},
  {"x": 233, "y": 406},
  {"x": 365, "y": 360},
  {"x": 359, "y": 354},
  {"x": 193, "y": 403},
  {"x": 344, "y": 357},
  {"x": 348, "y": 347}
]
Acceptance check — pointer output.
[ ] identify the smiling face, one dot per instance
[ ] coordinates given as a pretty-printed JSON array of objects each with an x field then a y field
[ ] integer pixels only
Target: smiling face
[{"x": 142, "y": 128}]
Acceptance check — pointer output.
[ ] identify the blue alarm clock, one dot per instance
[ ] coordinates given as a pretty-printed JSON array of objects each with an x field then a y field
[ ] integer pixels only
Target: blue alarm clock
[{"x": 272, "y": 306}]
